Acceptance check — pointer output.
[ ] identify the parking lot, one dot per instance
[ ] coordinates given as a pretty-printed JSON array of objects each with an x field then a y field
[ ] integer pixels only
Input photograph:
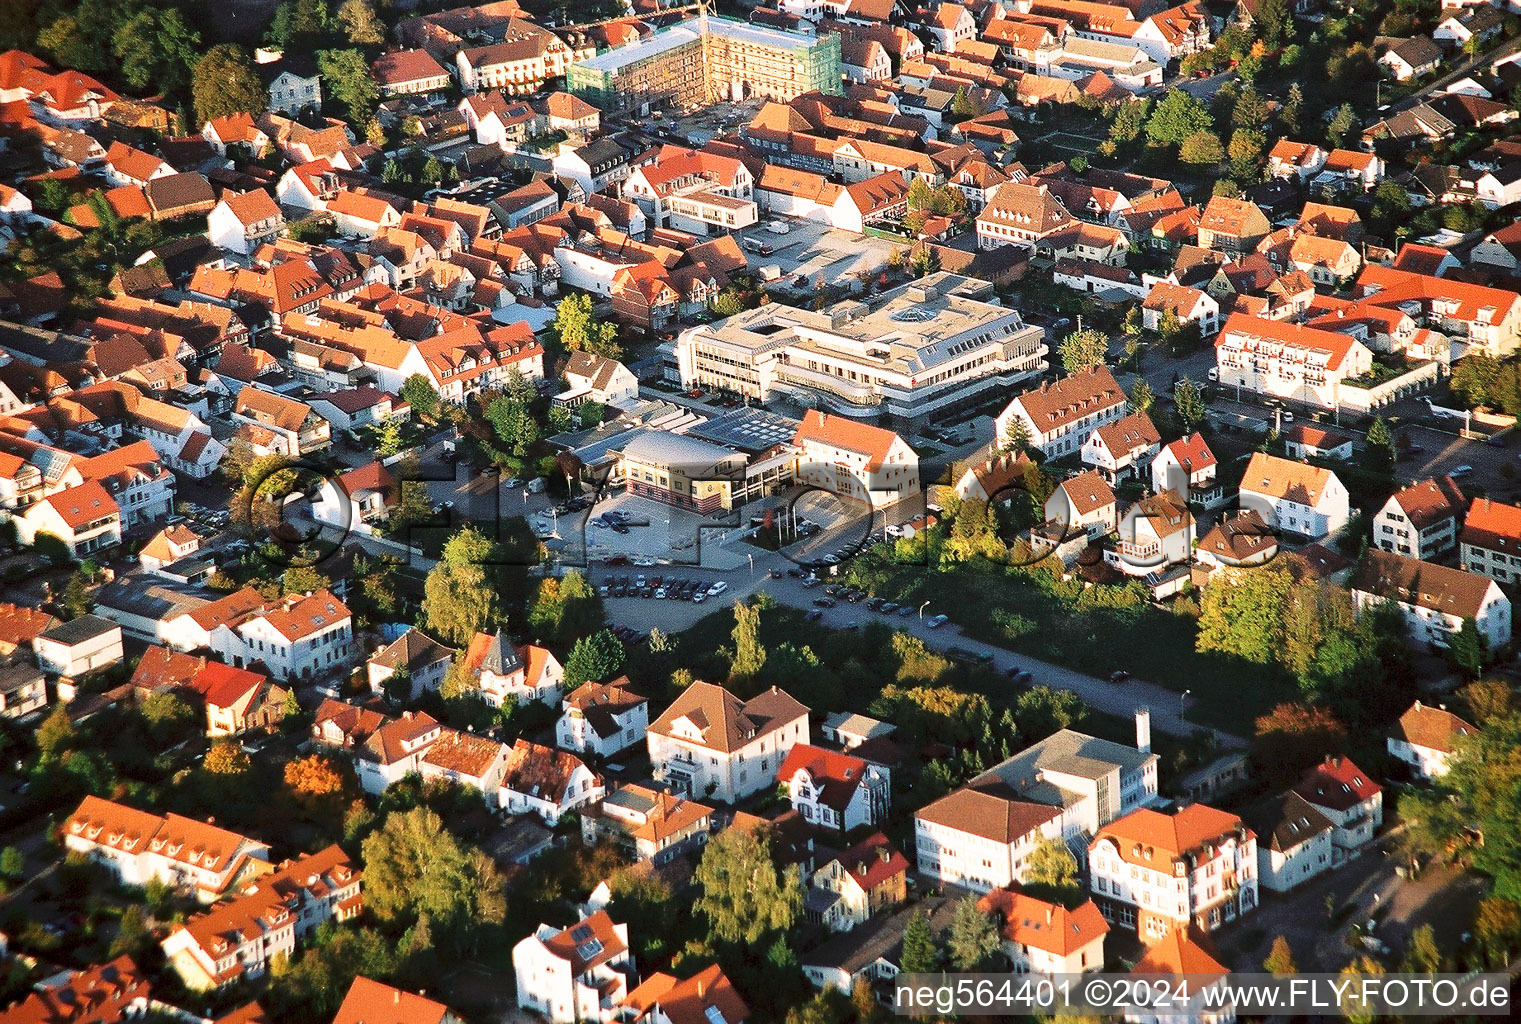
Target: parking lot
[{"x": 812, "y": 250}]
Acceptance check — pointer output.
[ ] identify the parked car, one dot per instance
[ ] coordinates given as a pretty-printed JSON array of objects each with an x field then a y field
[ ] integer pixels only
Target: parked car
[
  {"x": 717, "y": 588},
  {"x": 1119, "y": 676},
  {"x": 823, "y": 602},
  {"x": 778, "y": 227},
  {"x": 1460, "y": 471},
  {"x": 936, "y": 621}
]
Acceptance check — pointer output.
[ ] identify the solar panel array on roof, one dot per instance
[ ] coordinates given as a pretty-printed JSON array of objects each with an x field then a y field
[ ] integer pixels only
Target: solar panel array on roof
[{"x": 749, "y": 430}]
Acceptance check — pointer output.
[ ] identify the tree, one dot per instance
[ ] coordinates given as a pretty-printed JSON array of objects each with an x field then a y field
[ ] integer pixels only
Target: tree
[
  {"x": 595, "y": 658},
  {"x": 745, "y": 899},
  {"x": 76, "y": 598},
  {"x": 727, "y": 303},
  {"x": 1488, "y": 700},
  {"x": 415, "y": 870},
  {"x": 1340, "y": 124},
  {"x": 1423, "y": 955},
  {"x": 389, "y": 440},
  {"x": 167, "y": 716},
  {"x": 1189, "y": 402},
  {"x": 577, "y": 329},
  {"x": 1245, "y": 152},
  {"x": 749, "y": 655},
  {"x": 346, "y": 74},
  {"x": 1176, "y": 118},
  {"x": 313, "y": 777},
  {"x": 1292, "y": 738},
  {"x": 1280, "y": 960},
  {"x": 1466, "y": 651},
  {"x": 1142, "y": 398},
  {"x": 1016, "y": 435},
  {"x": 1201, "y": 148},
  {"x": 1497, "y": 930},
  {"x": 360, "y": 23},
  {"x": 1292, "y": 110},
  {"x": 1273, "y": 23},
  {"x": 303, "y": 579},
  {"x": 1083, "y": 349},
  {"x": 1041, "y": 711},
  {"x": 226, "y": 758},
  {"x": 1380, "y": 448},
  {"x": 1051, "y": 865},
  {"x": 458, "y": 596},
  {"x": 920, "y": 953},
  {"x": 56, "y": 734},
  {"x": 299, "y": 25},
  {"x": 225, "y": 83},
  {"x": 973, "y": 939},
  {"x": 12, "y": 863},
  {"x": 1129, "y": 121},
  {"x": 1356, "y": 1009}
]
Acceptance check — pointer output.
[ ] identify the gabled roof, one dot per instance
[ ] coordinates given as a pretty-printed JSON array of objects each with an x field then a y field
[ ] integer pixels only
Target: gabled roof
[
  {"x": 1288, "y": 820},
  {"x": 1239, "y": 537},
  {"x": 851, "y": 435},
  {"x": 837, "y": 776},
  {"x": 1076, "y": 396},
  {"x": 587, "y": 944},
  {"x": 371, "y": 1002},
  {"x": 1432, "y": 728},
  {"x": 82, "y": 505},
  {"x": 1192, "y": 452},
  {"x": 1491, "y": 524},
  {"x": 1049, "y": 927},
  {"x": 1429, "y": 501},
  {"x": 1438, "y": 588},
  {"x": 1337, "y": 783},
  {"x": 725, "y": 722},
  {"x": 1180, "y": 951},
  {"x": 872, "y": 861},
  {"x": 539, "y": 771},
  {"x": 1282, "y": 479},
  {"x": 1087, "y": 492},
  {"x": 988, "y": 815}
]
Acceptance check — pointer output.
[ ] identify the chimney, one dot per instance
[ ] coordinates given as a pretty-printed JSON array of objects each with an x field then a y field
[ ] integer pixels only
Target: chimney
[
  {"x": 1050, "y": 911},
  {"x": 1143, "y": 729},
  {"x": 702, "y": 988},
  {"x": 395, "y": 995}
]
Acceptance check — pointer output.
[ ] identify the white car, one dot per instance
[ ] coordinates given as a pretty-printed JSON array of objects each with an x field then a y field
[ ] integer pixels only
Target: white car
[
  {"x": 778, "y": 227},
  {"x": 717, "y": 588}
]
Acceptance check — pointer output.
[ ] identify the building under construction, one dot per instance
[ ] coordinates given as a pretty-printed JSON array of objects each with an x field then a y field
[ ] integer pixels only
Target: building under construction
[{"x": 707, "y": 59}]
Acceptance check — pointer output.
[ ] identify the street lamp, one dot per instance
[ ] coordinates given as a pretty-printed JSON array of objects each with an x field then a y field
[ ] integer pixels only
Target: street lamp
[
  {"x": 921, "y": 610},
  {"x": 1183, "y": 704}
]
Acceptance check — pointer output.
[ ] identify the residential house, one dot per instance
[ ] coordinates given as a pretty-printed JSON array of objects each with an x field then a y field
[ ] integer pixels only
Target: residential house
[
  {"x": 371, "y": 1002},
  {"x": 1058, "y": 418},
  {"x": 1420, "y": 520},
  {"x": 1303, "y": 441},
  {"x": 1239, "y": 541},
  {"x": 1293, "y": 841},
  {"x": 850, "y": 730},
  {"x": 283, "y": 425},
  {"x": 1294, "y": 497},
  {"x": 1425, "y": 738},
  {"x": 873, "y": 952},
  {"x": 464, "y": 759},
  {"x": 857, "y": 884},
  {"x": 548, "y": 782},
  {"x": 1300, "y": 160},
  {"x": 602, "y": 718},
  {"x": 237, "y": 700},
  {"x": 1082, "y": 504},
  {"x": 1136, "y": 863},
  {"x": 1232, "y": 225},
  {"x": 301, "y": 636},
  {"x": 834, "y": 790},
  {"x": 1329, "y": 262},
  {"x": 1188, "y": 305},
  {"x": 1188, "y": 467},
  {"x": 995, "y": 480},
  {"x": 291, "y": 82},
  {"x": 1482, "y": 23},
  {"x": 240, "y": 936},
  {"x": 356, "y": 500},
  {"x": 1350, "y": 798},
  {"x": 855, "y": 460},
  {"x": 1124, "y": 448},
  {"x": 711, "y": 743},
  {"x": 1349, "y": 168},
  {"x": 85, "y": 518},
  {"x": 415, "y": 657},
  {"x": 503, "y": 669},
  {"x": 23, "y": 688},
  {"x": 1489, "y": 318},
  {"x": 1040, "y": 937},
  {"x": 1155, "y": 533},
  {"x": 574, "y": 974},
  {"x": 647, "y": 824},
  {"x": 1436, "y": 599},
  {"x": 707, "y": 997},
  {"x": 409, "y": 73},
  {"x": 1020, "y": 213},
  {"x": 981, "y": 839},
  {"x": 102, "y": 994},
  {"x": 1411, "y": 58},
  {"x": 241, "y": 222},
  {"x": 593, "y": 378},
  {"x": 138, "y": 847},
  {"x": 78, "y": 647},
  {"x": 1490, "y": 543}
]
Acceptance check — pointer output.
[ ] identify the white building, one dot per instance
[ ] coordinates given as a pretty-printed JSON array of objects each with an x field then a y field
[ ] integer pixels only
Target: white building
[
  {"x": 709, "y": 743},
  {"x": 834, "y": 790},
  {"x": 1293, "y": 842},
  {"x": 602, "y": 718},
  {"x": 1491, "y": 540},
  {"x": 1188, "y": 467},
  {"x": 1155, "y": 873},
  {"x": 593, "y": 378},
  {"x": 981, "y": 840},
  {"x": 1155, "y": 532},
  {"x": 1294, "y": 497},
  {"x": 1123, "y": 448},
  {"x": 505, "y": 670},
  {"x": 85, "y": 518},
  {"x": 1287, "y": 360},
  {"x": 855, "y": 460},
  {"x": 298, "y": 637},
  {"x": 1435, "y": 599},
  {"x": 548, "y": 782},
  {"x": 1425, "y": 738},
  {"x": 1046, "y": 938},
  {"x": 574, "y": 974},
  {"x": 1058, "y": 418},
  {"x": 78, "y": 647},
  {"x": 241, "y": 223},
  {"x": 1421, "y": 520},
  {"x": 423, "y": 660},
  {"x": 1348, "y": 796}
]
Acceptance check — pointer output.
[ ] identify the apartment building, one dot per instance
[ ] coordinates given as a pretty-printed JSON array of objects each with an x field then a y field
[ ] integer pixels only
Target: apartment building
[
  {"x": 647, "y": 824},
  {"x": 138, "y": 847},
  {"x": 709, "y": 743},
  {"x": 302, "y": 636},
  {"x": 280, "y": 424},
  {"x": 1040, "y": 937},
  {"x": 1435, "y": 599},
  {"x": 1490, "y": 543},
  {"x": 1154, "y": 873},
  {"x": 1058, "y": 418},
  {"x": 1489, "y": 318},
  {"x": 694, "y": 191},
  {"x": 857, "y": 884},
  {"x": 917, "y": 351},
  {"x": 1021, "y": 213},
  {"x": 239, "y": 936},
  {"x": 855, "y": 460},
  {"x": 1421, "y": 520},
  {"x": 602, "y": 718},
  {"x": 1287, "y": 360},
  {"x": 574, "y": 974},
  {"x": 520, "y": 62},
  {"x": 1294, "y": 841}
]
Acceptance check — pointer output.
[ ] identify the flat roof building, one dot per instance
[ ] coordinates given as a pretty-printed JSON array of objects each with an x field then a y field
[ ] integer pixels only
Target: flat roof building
[{"x": 918, "y": 351}]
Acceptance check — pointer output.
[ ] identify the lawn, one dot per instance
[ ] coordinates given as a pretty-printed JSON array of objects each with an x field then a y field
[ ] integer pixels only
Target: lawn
[{"x": 1091, "y": 634}]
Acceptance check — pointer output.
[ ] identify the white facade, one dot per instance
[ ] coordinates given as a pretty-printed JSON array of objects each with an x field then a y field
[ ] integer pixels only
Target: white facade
[
  {"x": 569, "y": 988},
  {"x": 980, "y": 862}
]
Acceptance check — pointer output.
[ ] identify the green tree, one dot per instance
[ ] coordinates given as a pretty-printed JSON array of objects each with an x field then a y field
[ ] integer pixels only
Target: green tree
[
  {"x": 727, "y": 303},
  {"x": 1280, "y": 960},
  {"x": 1466, "y": 651},
  {"x": 745, "y": 899},
  {"x": 1423, "y": 955},
  {"x": 360, "y": 23},
  {"x": 300, "y": 25},
  {"x": 1245, "y": 152},
  {"x": 595, "y": 658},
  {"x": 1497, "y": 930},
  {"x": 1273, "y": 23},
  {"x": 225, "y": 83},
  {"x": 459, "y": 597},
  {"x": 1016, "y": 435},
  {"x": 416, "y": 870},
  {"x": 1340, "y": 124},
  {"x": 1201, "y": 148},
  {"x": 1380, "y": 448},
  {"x": 1244, "y": 617},
  {"x": 12, "y": 863},
  {"x": 1083, "y": 349},
  {"x": 1129, "y": 121},
  {"x": 1188, "y": 400},
  {"x": 920, "y": 953},
  {"x": 346, "y": 76},
  {"x": 973, "y": 938},
  {"x": 749, "y": 654},
  {"x": 1355, "y": 1010},
  {"x": 1292, "y": 111},
  {"x": 303, "y": 579},
  {"x": 577, "y": 329},
  {"x": 56, "y": 734},
  {"x": 1176, "y": 118},
  {"x": 1142, "y": 398},
  {"x": 1052, "y": 866}
]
